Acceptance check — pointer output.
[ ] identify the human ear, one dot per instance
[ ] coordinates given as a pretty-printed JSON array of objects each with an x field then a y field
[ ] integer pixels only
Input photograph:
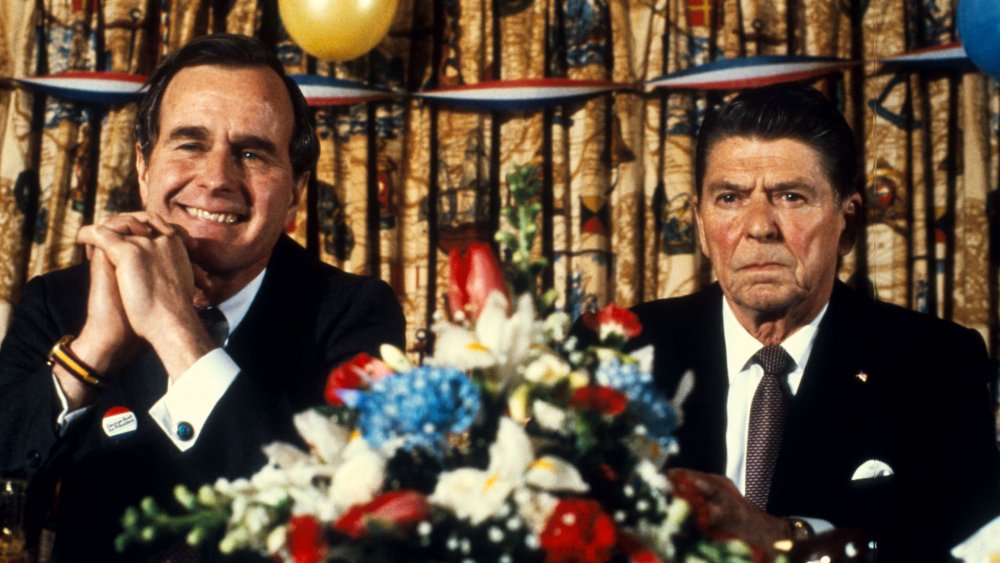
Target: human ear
[
  {"x": 852, "y": 210},
  {"x": 142, "y": 174},
  {"x": 298, "y": 191}
]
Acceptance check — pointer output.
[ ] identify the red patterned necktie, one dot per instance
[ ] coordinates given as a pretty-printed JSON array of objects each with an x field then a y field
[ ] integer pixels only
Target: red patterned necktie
[{"x": 767, "y": 423}]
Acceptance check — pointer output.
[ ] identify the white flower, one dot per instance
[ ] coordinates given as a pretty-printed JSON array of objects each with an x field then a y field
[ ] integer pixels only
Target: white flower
[
  {"x": 276, "y": 539},
  {"x": 323, "y": 435},
  {"x": 459, "y": 347},
  {"x": 394, "y": 358},
  {"x": 282, "y": 454},
  {"x": 472, "y": 494},
  {"x": 256, "y": 519},
  {"x": 555, "y": 474},
  {"x": 497, "y": 342},
  {"x": 556, "y": 326},
  {"x": 511, "y": 453},
  {"x": 535, "y": 507},
  {"x": 475, "y": 494},
  {"x": 547, "y": 369},
  {"x": 981, "y": 547},
  {"x": 517, "y": 404},
  {"x": 651, "y": 475},
  {"x": 549, "y": 416},
  {"x": 358, "y": 479}
]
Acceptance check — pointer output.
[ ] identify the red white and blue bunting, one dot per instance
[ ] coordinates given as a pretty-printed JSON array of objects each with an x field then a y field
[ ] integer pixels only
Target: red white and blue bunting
[
  {"x": 749, "y": 72},
  {"x": 951, "y": 55},
  {"x": 520, "y": 95},
  {"x": 89, "y": 86},
  {"x": 524, "y": 94},
  {"x": 326, "y": 91}
]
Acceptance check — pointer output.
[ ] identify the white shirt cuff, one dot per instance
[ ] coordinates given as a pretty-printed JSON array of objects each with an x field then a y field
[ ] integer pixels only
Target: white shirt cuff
[
  {"x": 65, "y": 416},
  {"x": 181, "y": 412},
  {"x": 818, "y": 524}
]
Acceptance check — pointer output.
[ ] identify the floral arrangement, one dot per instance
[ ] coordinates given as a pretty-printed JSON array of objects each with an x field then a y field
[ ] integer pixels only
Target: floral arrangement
[{"x": 514, "y": 441}]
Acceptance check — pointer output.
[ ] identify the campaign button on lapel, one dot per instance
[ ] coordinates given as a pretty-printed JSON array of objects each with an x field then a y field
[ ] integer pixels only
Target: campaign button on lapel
[{"x": 119, "y": 422}]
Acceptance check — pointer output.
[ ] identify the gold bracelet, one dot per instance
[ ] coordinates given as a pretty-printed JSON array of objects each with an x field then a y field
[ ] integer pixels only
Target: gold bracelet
[{"x": 62, "y": 354}]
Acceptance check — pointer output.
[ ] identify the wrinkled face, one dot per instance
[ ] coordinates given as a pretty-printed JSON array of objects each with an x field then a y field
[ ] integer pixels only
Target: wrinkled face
[
  {"x": 769, "y": 220},
  {"x": 220, "y": 168}
]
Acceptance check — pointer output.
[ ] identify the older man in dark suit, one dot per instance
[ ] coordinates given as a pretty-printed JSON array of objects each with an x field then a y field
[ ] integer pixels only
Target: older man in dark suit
[
  {"x": 198, "y": 328},
  {"x": 814, "y": 406}
]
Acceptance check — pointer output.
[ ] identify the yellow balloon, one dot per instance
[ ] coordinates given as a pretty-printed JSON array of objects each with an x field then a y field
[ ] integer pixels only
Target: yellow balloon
[{"x": 337, "y": 30}]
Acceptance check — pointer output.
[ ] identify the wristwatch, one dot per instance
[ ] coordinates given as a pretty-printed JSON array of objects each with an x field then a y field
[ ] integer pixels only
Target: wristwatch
[{"x": 801, "y": 529}]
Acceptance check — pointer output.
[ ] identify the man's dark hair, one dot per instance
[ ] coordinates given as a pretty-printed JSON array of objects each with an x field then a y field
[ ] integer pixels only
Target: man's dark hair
[
  {"x": 785, "y": 111},
  {"x": 235, "y": 51}
]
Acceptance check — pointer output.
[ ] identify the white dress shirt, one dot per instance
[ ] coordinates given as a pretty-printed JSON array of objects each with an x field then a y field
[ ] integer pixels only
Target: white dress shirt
[
  {"x": 744, "y": 375},
  {"x": 193, "y": 395}
]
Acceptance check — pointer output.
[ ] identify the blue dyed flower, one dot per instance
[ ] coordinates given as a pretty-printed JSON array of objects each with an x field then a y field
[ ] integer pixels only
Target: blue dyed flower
[
  {"x": 422, "y": 406},
  {"x": 645, "y": 401}
]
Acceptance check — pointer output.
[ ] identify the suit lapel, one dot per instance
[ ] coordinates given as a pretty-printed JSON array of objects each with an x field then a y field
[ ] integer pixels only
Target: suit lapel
[
  {"x": 702, "y": 346},
  {"x": 817, "y": 445}
]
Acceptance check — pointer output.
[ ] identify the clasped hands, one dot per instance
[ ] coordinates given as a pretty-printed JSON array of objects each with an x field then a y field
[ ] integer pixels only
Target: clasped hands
[{"x": 142, "y": 288}]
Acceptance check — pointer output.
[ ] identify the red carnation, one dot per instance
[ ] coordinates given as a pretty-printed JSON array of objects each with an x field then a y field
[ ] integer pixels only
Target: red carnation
[
  {"x": 613, "y": 322},
  {"x": 578, "y": 531},
  {"x": 473, "y": 277},
  {"x": 604, "y": 400},
  {"x": 395, "y": 509},
  {"x": 356, "y": 373},
  {"x": 306, "y": 540}
]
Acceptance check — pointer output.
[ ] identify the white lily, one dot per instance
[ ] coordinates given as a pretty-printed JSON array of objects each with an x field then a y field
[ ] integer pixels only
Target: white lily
[
  {"x": 554, "y": 474},
  {"x": 476, "y": 495},
  {"x": 497, "y": 341}
]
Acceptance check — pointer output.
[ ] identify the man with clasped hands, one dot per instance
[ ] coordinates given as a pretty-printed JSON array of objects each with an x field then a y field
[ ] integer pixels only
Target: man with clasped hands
[
  {"x": 140, "y": 395},
  {"x": 880, "y": 419}
]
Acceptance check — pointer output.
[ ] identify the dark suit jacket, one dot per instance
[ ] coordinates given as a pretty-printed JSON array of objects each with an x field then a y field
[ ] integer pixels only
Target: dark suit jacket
[
  {"x": 306, "y": 318},
  {"x": 923, "y": 409}
]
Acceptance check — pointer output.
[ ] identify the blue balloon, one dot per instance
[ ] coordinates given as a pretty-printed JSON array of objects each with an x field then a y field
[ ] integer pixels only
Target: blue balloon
[{"x": 979, "y": 30}]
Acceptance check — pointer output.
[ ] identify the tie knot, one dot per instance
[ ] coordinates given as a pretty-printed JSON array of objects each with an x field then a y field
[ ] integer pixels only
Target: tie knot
[
  {"x": 215, "y": 323},
  {"x": 774, "y": 359}
]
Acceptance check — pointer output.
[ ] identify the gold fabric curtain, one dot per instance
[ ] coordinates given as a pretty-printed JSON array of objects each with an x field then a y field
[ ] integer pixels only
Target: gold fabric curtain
[{"x": 400, "y": 183}]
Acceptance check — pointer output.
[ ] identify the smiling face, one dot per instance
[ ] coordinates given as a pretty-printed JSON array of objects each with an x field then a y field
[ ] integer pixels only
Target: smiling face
[
  {"x": 220, "y": 167},
  {"x": 769, "y": 220}
]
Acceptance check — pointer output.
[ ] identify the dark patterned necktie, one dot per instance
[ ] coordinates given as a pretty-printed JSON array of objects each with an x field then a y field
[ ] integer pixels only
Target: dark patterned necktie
[
  {"x": 215, "y": 323},
  {"x": 767, "y": 423}
]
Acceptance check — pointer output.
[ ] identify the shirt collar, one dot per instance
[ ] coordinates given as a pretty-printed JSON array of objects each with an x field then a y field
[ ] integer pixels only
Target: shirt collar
[
  {"x": 741, "y": 345},
  {"x": 236, "y": 307}
]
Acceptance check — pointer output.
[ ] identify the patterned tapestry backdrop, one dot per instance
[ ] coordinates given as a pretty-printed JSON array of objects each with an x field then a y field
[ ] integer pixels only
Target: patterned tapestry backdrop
[{"x": 401, "y": 182}]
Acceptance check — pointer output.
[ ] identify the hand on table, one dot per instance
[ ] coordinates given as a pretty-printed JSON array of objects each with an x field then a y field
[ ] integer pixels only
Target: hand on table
[{"x": 727, "y": 512}]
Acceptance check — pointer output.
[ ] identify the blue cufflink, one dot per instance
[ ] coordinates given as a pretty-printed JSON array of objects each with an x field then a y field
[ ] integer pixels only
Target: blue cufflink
[{"x": 185, "y": 431}]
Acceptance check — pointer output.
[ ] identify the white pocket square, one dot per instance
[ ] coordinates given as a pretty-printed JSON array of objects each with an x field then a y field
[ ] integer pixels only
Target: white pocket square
[{"x": 871, "y": 469}]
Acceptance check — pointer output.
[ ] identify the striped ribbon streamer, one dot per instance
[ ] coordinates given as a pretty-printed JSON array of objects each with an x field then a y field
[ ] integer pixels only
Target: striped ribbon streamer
[
  {"x": 520, "y": 95},
  {"x": 89, "y": 86},
  {"x": 950, "y": 55},
  {"x": 749, "y": 72},
  {"x": 326, "y": 91},
  {"x": 524, "y": 94}
]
